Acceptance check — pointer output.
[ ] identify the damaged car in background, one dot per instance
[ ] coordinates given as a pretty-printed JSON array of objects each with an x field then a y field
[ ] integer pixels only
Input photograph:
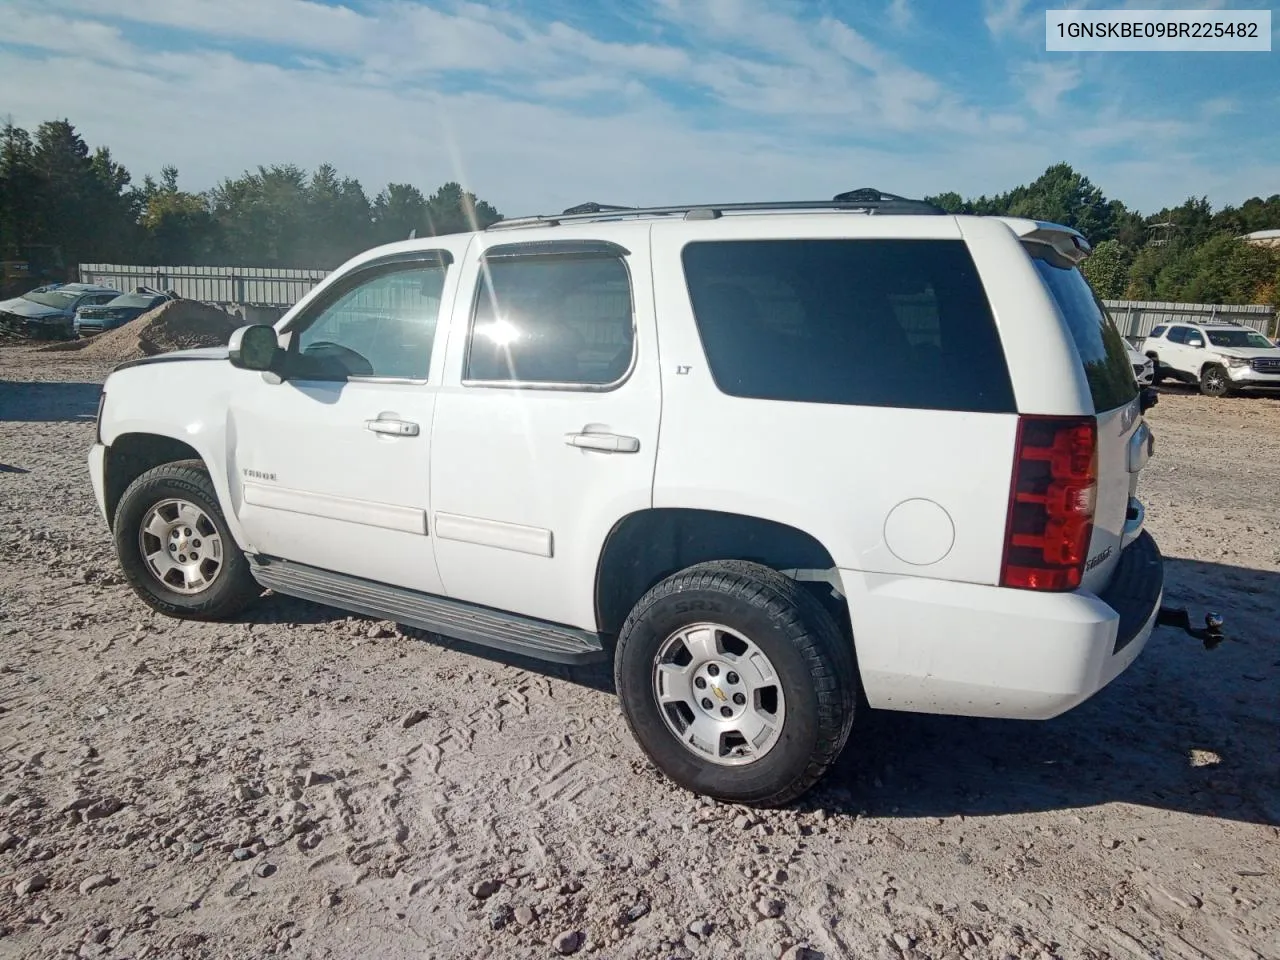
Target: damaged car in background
[
  {"x": 49, "y": 313},
  {"x": 98, "y": 318}
]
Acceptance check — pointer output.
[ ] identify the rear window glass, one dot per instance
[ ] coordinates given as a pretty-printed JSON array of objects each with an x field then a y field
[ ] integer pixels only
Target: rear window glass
[
  {"x": 1158, "y": 332},
  {"x": 1101, "y": 348},
  {"x": 896, "y": 323}
]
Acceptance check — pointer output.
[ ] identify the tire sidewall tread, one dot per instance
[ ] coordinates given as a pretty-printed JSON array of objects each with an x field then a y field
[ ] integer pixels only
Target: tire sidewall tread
[
  {"x": 234, "y": 588},
  {"x": 1204, "y": 374},
  {"x": 812, "y": 656}
]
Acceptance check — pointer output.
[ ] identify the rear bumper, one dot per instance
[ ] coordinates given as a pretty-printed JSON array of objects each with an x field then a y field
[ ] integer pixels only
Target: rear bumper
[{"x": 931, "y": 646}]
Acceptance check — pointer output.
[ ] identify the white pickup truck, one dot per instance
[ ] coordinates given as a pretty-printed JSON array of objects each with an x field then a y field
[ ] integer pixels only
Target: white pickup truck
[{"x": 765, "y": 457}]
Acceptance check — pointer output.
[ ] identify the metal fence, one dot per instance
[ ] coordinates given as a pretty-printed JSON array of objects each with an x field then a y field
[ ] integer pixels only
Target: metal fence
[
  {"x": 282, "y": 288},
  {"x": 1136, "y": 318},
  {"x": 259, "y": 286}
]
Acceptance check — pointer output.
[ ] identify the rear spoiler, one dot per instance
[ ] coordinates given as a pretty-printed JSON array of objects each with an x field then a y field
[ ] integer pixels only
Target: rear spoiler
[{"x": 1068, "y": 243}]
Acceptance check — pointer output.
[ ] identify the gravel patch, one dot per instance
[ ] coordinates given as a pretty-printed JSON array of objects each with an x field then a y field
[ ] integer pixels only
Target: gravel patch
[{"x": 296, "y": 783}]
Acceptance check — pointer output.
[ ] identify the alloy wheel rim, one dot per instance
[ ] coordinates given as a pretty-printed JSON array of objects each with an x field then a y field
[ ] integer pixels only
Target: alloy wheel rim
[
  {"x": 181, "y": 547},
  {"x": 719, "y": 694}
]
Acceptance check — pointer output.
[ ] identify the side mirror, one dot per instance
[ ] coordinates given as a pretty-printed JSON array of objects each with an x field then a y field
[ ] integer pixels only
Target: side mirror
[
  {"x": 253, "y": 347},
  {"x": 1197, "y": 343}
]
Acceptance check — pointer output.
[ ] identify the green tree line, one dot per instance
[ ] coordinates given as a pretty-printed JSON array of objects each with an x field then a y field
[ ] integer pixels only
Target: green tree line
[
  {"x": 1186, "y": 253},
  {"x": 55, "y": 192}
]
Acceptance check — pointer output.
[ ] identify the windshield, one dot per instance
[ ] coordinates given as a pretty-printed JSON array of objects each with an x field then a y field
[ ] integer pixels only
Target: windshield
[
  {"x": 52, "y": 298},
  {"x": 133, "y": 300},
  {"x": 1238, "y": 338},
  {"x": 1101, "y": 348}
]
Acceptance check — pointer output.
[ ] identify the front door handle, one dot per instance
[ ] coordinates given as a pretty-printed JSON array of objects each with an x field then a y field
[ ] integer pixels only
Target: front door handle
[
  {"x": 609, "y": 442},
  {"x": 396, "y": 428}
]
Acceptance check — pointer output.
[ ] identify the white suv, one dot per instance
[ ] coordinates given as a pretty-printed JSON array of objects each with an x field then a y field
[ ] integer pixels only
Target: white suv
[
  {"x": 764, "y": 457},
  {"x": 1220, "y": 357}
]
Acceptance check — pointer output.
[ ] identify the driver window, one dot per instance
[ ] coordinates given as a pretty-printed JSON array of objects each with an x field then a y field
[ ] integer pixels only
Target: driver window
[{"x": 382, "y": 328}]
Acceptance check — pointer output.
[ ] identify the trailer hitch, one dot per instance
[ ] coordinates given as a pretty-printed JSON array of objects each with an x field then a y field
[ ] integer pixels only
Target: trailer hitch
[{"x": 1211, "y": 635}]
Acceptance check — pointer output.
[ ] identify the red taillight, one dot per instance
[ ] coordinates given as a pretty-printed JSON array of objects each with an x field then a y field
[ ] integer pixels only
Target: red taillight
[{"x": 1051, "y": 503}]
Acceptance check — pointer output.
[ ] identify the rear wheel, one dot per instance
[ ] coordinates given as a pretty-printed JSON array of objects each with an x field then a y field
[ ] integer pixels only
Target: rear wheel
[
  {"x": 1214, "y": 381},
  {"x": 175, "y": 548},
  {"x": 1157, "y": 375},
  {"x": 736, "y": 683}
]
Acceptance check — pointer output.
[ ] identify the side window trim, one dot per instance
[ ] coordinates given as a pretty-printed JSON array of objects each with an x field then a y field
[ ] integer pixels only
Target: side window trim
[
  {"x": 573, "y": 249},
  {"x": 366, "y": 273}
]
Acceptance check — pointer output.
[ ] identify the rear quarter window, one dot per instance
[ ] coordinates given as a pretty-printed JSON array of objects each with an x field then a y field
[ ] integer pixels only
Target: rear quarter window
[
  {"x": 893, "y": 323},
  {"x": 1101, "y": 348},
  {"x": 1158, "y": 332}
]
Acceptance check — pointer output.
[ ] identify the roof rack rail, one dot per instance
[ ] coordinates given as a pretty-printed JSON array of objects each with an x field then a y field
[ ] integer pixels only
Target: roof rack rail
[
  {"x": 867, "y": 200},
  {"x": 592, "y": 207}
]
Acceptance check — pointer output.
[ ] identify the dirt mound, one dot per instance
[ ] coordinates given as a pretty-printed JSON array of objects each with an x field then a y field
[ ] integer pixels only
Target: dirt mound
[{"x": 176, "y": 325}]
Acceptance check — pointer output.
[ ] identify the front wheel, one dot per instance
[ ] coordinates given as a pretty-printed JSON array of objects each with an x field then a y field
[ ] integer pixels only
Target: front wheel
[
  {"x": 175, "y": 548},
  {"x": 1214, "y": 381},
  {"x": 736, "y": 683}
]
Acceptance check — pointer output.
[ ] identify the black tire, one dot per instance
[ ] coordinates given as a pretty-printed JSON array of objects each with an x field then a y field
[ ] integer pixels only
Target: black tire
[
  {"x": 1214, "y": 381},
  {"x": 228, "y": 593},
  {"x": 1157, "y": 375},
  {"x": 813, "y": 660}
]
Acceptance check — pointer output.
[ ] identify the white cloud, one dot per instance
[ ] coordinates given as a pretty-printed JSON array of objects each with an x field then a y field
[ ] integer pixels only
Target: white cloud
[
  {"x": 1006, "y": 17},
  {"x": 798, "y": 106},
  {"x": 899, "y": 14},
  {"x": 1045, "y": 82}
]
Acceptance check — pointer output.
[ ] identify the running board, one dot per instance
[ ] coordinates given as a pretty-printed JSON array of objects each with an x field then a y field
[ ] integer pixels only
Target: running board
[{"x": 450, "y": 618}]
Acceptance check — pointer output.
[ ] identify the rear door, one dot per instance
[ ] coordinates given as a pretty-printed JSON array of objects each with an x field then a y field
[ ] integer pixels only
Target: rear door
[
  {"x": 1122, "y": 432},
  {"x": 546, "y": 425}
]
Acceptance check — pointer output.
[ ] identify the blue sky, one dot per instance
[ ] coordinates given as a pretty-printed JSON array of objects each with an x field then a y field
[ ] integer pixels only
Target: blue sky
[{"x": 539, "y": 104}]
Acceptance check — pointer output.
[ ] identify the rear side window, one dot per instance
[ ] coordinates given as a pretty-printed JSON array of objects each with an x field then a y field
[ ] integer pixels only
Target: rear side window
[
  {"x": 552, "y": 320},
  {"x": 1101, "y": 348},
  {"x": 1178, "y": 334},
  {"x": 1158, "y": 332},
  {"x": 885, "y": 323}
]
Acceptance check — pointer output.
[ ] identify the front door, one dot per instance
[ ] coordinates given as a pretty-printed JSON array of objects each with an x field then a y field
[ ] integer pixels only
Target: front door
[
  {"x": 547, "y": 423},
  {"x": 332, "y": 465},
  {"x": 1175, "y": 353}
]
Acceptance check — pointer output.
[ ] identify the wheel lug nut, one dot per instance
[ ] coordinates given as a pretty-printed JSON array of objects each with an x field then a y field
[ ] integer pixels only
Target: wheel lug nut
[
  {"x": 726, "y": 712},
  {"x": 196, "y": 543},
  {"x": 713, "y": 670},
  {"x": 739, "y": 699},
  {"x": 699, "y": 683},
  {"x": 706, "y": 703},
  {"x": 730, "y": 678}
]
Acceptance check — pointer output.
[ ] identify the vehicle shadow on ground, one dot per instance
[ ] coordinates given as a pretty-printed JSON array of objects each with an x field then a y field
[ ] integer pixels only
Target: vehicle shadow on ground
[
  {"x": 1183, "y": 729},
  {"x": 40, "y": 402},
  {"x": 277, "y": 608}
]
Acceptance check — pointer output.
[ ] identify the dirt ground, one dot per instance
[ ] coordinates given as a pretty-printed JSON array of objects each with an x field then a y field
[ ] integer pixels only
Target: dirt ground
[{"x": 307, "y": 783}]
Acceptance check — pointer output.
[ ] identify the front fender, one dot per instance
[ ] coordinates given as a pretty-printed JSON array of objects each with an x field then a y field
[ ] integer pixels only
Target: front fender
[{"x": 183, "y": 401}]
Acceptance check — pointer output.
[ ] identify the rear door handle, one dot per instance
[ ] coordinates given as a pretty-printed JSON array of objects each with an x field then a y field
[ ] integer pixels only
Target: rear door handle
[
  {"x": 396, "y": 428},
  {"x": 609, "y": 442}
]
